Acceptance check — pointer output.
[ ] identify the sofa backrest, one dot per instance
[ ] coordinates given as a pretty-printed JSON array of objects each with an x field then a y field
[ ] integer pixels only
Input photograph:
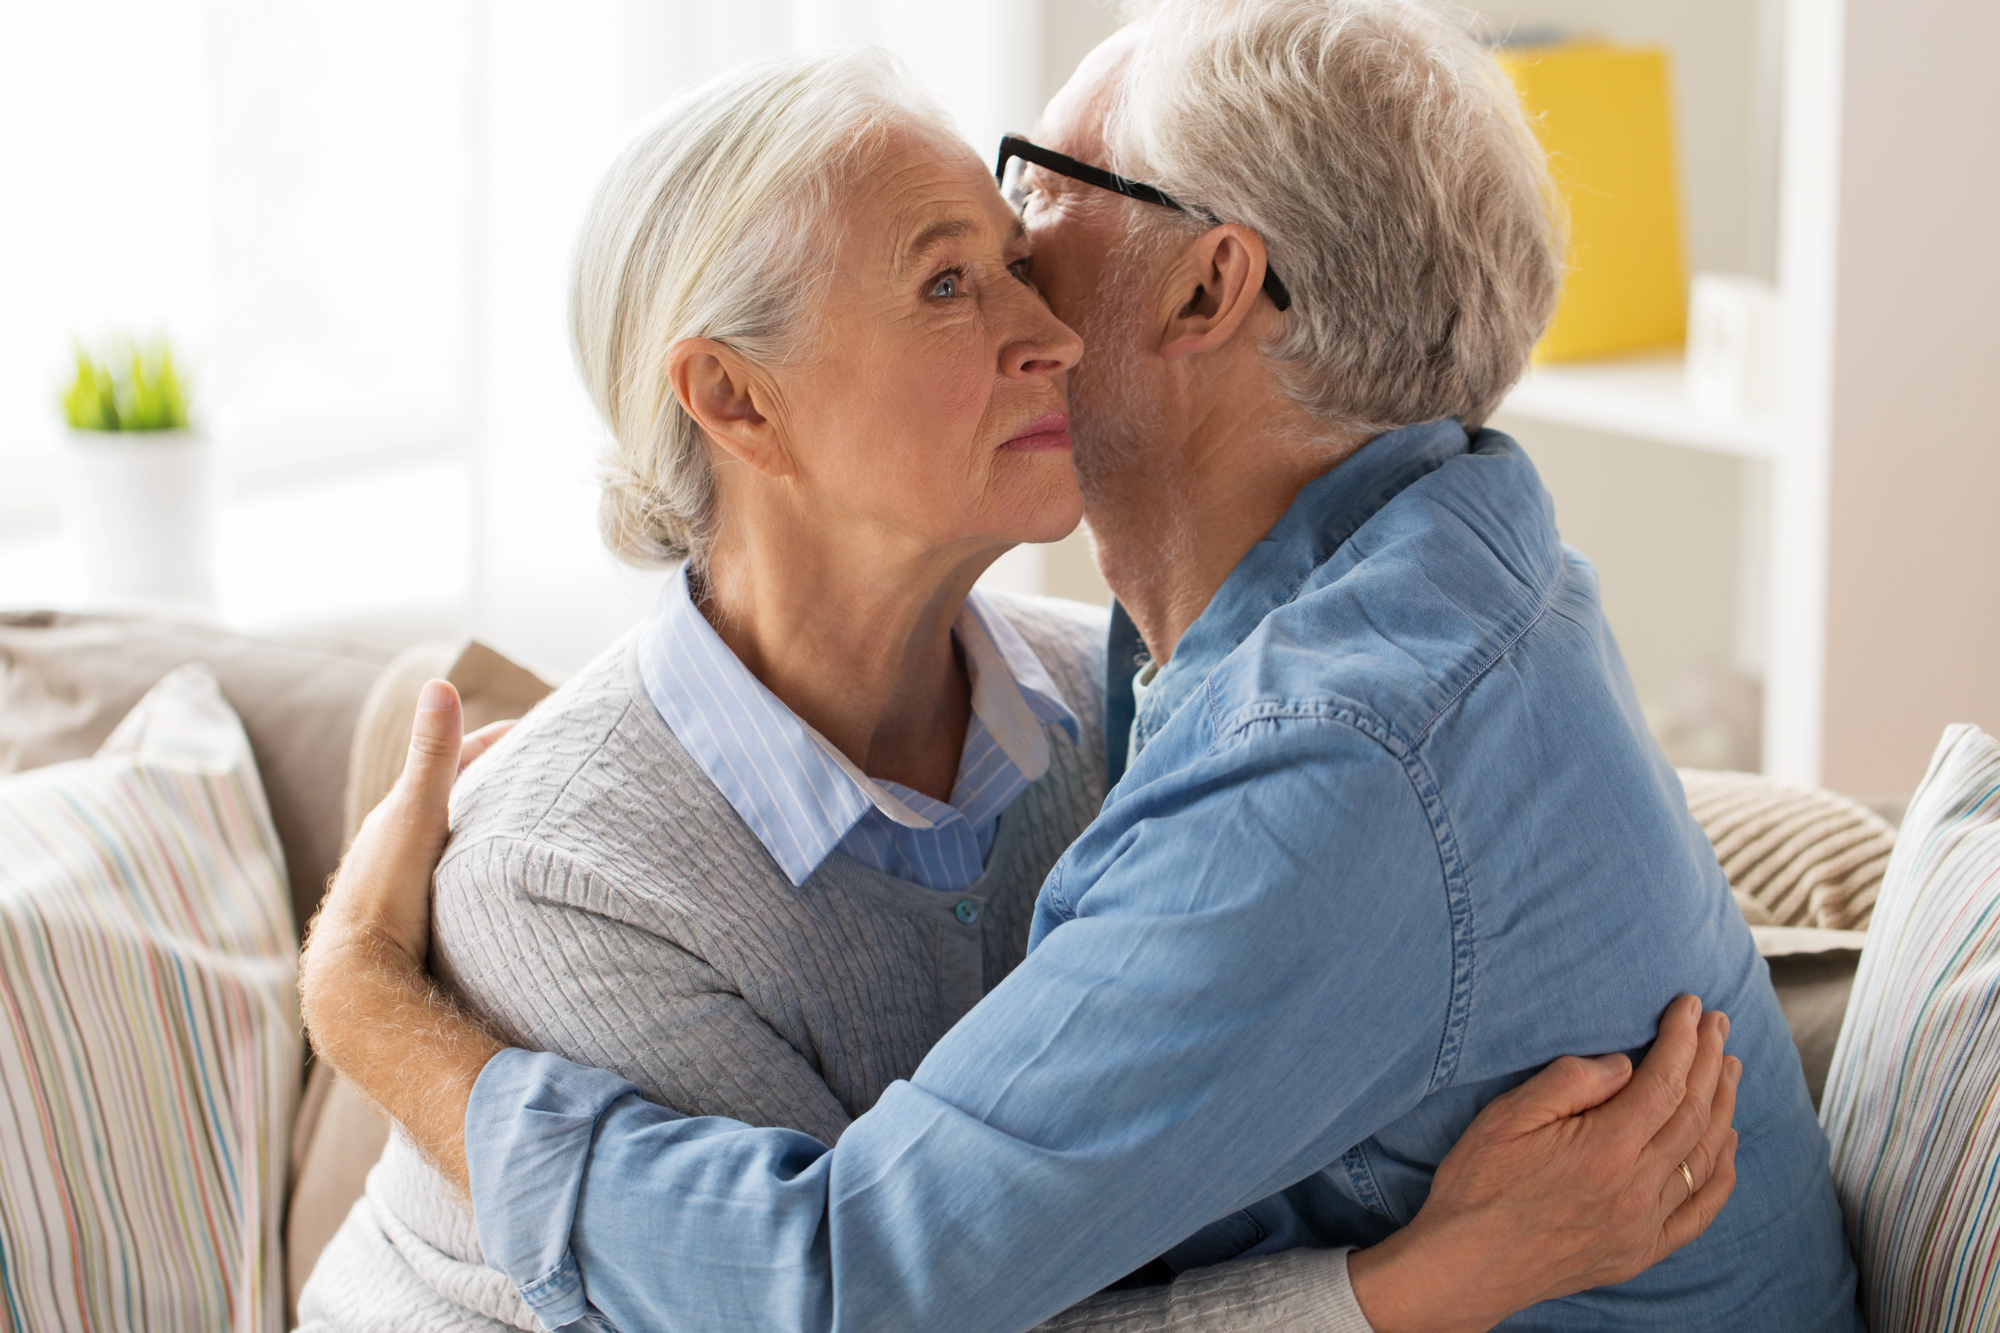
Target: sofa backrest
[{"x": 67, "y": 680}]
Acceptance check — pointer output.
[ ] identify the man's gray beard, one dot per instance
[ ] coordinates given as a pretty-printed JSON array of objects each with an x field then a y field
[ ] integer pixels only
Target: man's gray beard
[
  {"x": 1111, "y": 423},
  {"x": 1115, "y": 430}
]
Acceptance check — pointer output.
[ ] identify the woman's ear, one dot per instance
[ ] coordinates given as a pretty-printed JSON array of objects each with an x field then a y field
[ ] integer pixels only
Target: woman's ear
[
  {"x": 1215, "y": 286},
  {"x": 730, "y": 401}
]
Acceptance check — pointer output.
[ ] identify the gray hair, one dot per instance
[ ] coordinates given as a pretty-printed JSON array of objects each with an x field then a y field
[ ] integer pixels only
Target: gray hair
[
  {"x": 1383, "y": 156},
  {"x": 712, "y": 224}
]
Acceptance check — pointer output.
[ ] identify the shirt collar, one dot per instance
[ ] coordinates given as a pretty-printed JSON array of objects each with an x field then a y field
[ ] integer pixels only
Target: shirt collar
[
  {"x": 1329, "y": 510},
  {"x": 795, "y": 790}
]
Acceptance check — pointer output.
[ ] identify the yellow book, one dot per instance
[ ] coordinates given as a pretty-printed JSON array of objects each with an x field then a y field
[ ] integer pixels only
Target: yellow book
[{"x": 1604, "y": 115}]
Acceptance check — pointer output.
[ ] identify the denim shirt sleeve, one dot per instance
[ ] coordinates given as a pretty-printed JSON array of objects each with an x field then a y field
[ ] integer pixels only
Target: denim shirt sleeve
[
  {"x": 1253, "y": 974},
  {"x": 528, "y": 1130}
]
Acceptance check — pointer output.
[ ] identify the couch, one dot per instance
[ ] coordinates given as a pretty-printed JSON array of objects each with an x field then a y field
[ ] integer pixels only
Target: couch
[{"x": 328, "y": 721}]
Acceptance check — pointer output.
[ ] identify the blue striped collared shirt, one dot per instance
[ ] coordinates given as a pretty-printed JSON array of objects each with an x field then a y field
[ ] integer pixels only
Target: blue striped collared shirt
[{"x": 803, "y": 798}]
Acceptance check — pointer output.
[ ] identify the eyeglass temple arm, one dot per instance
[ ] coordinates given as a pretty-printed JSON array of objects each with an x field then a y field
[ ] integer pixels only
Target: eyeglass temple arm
[{"x": 1013, "y": 145}]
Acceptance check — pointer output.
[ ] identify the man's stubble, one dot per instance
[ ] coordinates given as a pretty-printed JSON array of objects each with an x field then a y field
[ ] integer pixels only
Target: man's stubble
[{"x": 1116, "y": 425}]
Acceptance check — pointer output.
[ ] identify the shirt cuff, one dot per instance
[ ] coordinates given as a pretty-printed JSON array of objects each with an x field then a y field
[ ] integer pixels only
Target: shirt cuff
[{"x": 529, "y": 1126}]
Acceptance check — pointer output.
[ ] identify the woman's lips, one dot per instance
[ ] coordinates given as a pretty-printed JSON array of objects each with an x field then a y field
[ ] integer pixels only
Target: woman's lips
[{"x": 1049, "y": 432}]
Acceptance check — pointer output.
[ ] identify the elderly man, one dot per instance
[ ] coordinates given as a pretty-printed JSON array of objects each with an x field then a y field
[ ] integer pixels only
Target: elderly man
[{"x": 1390, "y": 834}]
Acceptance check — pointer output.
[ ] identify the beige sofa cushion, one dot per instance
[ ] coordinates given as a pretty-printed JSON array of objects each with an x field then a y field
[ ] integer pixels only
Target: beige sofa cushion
[
  {"x": 339, "y": 1135},
  {"x": 66, "y": 680},
  {"x": 491, "y": 687},
  {"x": 1813, "y": 972},
  {"x": 1795, "y": 856}
]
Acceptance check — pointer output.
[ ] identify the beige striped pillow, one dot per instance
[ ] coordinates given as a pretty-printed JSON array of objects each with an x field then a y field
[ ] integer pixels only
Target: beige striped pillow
[
  {"x": 1912, "y": 1104},
  {"x": 1794, "y": 856},
  {"x": 149, "y": 1046}
]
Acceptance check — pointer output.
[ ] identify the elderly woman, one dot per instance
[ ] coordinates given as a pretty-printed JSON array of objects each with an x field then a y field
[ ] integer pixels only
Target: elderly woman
[{"x": 767, "y": 848}]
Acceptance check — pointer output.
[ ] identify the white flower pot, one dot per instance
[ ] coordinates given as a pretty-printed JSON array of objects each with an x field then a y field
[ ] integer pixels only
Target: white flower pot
[{"x": 138, "y": 506}]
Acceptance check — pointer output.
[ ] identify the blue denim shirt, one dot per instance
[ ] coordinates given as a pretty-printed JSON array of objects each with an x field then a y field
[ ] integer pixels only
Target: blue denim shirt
[{"x": 1393, "y": 836}]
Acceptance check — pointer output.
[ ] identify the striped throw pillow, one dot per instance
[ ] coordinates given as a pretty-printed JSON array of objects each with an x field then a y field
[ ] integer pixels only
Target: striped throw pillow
[
  {"x": 1912, "y": 1104},
  {"x": 149, "y": 1040},
  {"x": 1794, "y": 856}
]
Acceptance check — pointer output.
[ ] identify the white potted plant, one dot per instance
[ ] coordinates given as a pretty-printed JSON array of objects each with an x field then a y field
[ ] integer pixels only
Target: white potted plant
[{"x": 137, "y": 480}]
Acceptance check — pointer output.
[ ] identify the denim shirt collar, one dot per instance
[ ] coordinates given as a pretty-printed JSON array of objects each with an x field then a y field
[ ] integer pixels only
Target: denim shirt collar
[{"x": 1326, "y": 513}]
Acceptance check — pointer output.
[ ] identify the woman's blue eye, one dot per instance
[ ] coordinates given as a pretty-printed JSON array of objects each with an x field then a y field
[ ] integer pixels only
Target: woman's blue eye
[
  {"x": 947, "y": 286},
  {"x": 1019, "y": 268}
]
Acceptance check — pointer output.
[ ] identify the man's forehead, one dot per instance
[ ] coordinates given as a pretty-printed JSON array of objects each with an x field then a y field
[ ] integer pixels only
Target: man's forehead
[{"x": 1073, "y": 121}]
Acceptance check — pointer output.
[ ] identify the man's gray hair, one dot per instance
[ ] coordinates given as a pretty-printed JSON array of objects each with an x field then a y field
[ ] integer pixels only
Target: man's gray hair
[
  {"x": 1383, "y": 156},
  {"x": 712, "y": 224}
]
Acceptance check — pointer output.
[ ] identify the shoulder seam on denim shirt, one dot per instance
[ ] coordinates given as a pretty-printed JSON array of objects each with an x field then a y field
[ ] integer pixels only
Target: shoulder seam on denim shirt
[
  {"x": 1542, "y": 603},
  {"x": 1451, "y": 866},
  {"x": 1364, "y": 720}
]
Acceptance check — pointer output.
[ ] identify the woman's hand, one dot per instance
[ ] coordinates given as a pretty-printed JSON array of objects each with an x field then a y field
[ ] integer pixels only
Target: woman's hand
[
  {"x": 1572, "y": 1180},
  {"x": 372, "y": 1009}
]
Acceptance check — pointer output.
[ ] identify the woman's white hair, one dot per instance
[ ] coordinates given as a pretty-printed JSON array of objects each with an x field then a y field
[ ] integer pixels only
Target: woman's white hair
[
  {"x": 1383, "y": 156},
  {"x": 714, "y": 223}
]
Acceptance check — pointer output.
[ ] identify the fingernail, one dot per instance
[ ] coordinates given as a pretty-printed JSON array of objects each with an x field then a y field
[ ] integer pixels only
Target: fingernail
[
  {"x": 1694, "y": 1005},
  {"x": 436, "y": 697},
  {"x": 1614, "y": 1063},
  {"x": 1735, "y": 1070},
  {"x": 1724, "y": 1024}
]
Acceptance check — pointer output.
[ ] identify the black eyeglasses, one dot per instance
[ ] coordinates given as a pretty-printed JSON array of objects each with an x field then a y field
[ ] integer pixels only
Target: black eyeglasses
[{"x": 1015, "y": 150}]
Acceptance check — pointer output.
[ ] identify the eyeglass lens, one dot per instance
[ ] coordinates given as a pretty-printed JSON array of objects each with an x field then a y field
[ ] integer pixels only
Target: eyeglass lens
[{"x": 1012, "y": 188}]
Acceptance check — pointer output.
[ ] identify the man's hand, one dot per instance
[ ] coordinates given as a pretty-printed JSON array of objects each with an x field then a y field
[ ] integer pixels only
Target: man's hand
[
  {"x": 1572, "y": 1180},
  {"x": 384, "y": 883},
  {"x": 372, "y": 1009}
]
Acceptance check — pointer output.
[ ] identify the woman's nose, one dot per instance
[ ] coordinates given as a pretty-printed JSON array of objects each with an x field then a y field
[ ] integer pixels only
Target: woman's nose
[{"x": 1046, "y": 345}]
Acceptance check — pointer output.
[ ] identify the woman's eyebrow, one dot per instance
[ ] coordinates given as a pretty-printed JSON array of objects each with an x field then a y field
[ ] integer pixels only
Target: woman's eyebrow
[{"x": 930, "y": 238}]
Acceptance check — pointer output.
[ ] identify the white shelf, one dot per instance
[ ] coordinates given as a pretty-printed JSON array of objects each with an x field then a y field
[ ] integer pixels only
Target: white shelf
[{"x": 1642, "y": 397}]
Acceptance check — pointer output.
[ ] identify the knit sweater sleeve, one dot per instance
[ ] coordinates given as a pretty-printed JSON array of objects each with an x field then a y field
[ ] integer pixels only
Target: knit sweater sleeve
[
  {"x": 1297, "y": 1291},
  {"x": 549, "y": 949}
]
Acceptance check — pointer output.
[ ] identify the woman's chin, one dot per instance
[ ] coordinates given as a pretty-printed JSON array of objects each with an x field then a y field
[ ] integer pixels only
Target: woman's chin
[{"x": 1046, "y": 511}]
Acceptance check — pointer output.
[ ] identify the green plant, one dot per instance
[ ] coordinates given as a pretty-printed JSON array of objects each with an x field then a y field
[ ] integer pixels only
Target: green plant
[{"x": 126, "y": 386}]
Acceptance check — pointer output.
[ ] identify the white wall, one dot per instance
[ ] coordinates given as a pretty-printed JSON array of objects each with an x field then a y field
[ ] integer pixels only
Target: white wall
[
  {"x": 107, "y": 222},
  {"x": 1913, "y": 605}
]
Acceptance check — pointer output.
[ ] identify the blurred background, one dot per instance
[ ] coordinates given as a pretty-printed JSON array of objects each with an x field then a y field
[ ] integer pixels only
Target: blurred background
[{"x": 354, "y": 222}]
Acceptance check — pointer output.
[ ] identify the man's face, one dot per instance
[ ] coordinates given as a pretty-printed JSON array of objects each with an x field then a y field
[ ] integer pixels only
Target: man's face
[{"x": 1085, "y": 265}]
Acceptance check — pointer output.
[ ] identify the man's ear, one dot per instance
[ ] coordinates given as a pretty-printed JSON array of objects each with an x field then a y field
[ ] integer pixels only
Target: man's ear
[
  {"x": 1215, "y": 284},
  {"x": 731, "y": 402}
]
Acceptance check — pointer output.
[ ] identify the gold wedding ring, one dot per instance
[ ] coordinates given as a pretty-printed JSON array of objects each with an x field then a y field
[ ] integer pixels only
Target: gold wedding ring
[{"x": 1688, "y": 1176}]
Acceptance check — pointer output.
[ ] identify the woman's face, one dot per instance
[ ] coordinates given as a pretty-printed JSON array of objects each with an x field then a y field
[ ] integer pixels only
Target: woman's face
[{"x": 931, "y": 407}]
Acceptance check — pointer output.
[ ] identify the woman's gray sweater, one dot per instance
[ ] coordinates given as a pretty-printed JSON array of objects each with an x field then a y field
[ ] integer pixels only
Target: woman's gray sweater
[{"x": 601, "y": 899}]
